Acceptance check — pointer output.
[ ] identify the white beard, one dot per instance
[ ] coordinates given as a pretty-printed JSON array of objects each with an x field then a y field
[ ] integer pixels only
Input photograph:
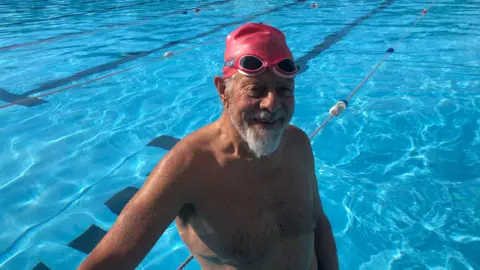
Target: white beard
[{"x": 260, "y": 141}]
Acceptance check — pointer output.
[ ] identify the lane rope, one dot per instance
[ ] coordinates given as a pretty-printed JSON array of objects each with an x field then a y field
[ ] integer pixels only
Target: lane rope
[
  {"x": 342, "y": 105},
  {"x": 112, "y": 27}
]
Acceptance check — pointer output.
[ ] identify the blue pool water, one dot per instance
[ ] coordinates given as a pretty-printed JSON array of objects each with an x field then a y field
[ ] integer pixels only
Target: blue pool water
[{"x": 399, "y": 172}]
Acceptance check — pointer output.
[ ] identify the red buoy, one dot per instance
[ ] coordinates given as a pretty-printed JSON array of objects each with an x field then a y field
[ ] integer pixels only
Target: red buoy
[
  {"x": 314, "y": 5},
  {"x": 197, "y": 10},
  {"x": 424, "y": 11}
]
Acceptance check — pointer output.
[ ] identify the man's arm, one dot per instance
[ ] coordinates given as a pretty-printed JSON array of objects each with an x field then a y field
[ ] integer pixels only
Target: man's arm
[
  {"x": 146, "y": 216},
  {"x": 325, "y": 247}
]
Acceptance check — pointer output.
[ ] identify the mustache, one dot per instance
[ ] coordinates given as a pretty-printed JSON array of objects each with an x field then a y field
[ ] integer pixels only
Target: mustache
[{"x": 264, "y": 115}]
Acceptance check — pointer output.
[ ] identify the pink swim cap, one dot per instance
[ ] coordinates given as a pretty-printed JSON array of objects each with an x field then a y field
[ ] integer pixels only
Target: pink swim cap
[{"x": 261, "y": 40}]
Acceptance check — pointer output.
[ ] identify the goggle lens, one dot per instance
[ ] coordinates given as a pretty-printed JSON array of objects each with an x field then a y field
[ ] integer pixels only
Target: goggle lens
[
  {"x": 287, "y": 65},
  {"x": 251, "y": 63}
]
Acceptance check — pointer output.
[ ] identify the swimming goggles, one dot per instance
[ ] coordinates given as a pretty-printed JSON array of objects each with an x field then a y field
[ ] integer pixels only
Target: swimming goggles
[{"x": 251, "y": 65}]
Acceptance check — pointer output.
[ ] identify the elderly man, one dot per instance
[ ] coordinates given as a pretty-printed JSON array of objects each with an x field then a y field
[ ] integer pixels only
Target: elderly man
[{"x": 242, "y": 190}]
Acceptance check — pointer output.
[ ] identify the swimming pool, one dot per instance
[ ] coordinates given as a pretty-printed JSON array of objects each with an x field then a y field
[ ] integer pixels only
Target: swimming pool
[{"x": 398, "y": 172}]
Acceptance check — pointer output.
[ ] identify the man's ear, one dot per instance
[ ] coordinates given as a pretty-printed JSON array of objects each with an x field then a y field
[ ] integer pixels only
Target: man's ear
[{"x": 221, "y": 88}]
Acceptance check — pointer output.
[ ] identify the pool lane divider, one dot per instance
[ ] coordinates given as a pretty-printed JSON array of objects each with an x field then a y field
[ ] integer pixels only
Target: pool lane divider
[
  {"x": 75, "y": 14},
  {"x": 113, "y": 26},
  {"x": 24, "y": 100},
  {"x": 342, "y": 105},
  {"x": 336, "y": 36}
]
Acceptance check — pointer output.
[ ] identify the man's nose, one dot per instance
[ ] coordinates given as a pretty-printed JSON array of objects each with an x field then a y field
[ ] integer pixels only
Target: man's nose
[{"x": 271, "y": 101}]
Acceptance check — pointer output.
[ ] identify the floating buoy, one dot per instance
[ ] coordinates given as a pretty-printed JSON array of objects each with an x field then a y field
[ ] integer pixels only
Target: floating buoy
[
  {"x": 338, "y": 108},
  {"x": 168, "y": 54},
  {"x": 197, "y": 10},
  {"x": 314, "y": 5},
  {"x": 424, "y": 11}
]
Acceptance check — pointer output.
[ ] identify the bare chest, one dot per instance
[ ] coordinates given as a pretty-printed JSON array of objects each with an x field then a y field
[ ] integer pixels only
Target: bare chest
[{"x": 241, "y": 217}]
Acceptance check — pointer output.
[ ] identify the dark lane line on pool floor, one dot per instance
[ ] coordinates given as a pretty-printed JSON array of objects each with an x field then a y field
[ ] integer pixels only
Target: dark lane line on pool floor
[
  {"x": 104, "y": 28},
  {"x": 118, "y": 201},
  {"x": 10, "y": 97},
  {"x": 41, "y": 266},
  {"x": 164, "y": 141},
  {"x": 76, "y": 198},
  {"x": 337, "y": 36},
  {"x": 87, "y": 241}
]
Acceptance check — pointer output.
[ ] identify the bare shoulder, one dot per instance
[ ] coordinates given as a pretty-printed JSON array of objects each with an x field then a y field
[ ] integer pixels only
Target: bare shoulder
[
  {"x": 195, "y": 143},
  {"x": 179, "y": 159},
  {"x": 296, "y": 131},
  {"x": 298, "y": 137},
  {"x": 298, "y": 141},
  {"x": 188, "y": 152}
]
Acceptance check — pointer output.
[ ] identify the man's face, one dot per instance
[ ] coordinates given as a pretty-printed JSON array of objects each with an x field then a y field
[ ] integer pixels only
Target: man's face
[{"x": 260, "y": 108}]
